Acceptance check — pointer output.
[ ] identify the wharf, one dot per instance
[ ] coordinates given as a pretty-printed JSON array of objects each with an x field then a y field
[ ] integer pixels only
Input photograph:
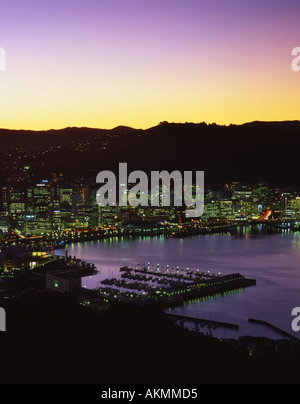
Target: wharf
[{"x": 199, "y": 321}]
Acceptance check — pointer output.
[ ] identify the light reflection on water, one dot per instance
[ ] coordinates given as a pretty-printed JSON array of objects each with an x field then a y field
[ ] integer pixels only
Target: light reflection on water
[{"x": 272, "y": 259}]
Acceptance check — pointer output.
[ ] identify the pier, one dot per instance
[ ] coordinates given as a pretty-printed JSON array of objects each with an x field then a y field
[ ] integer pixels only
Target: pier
[
  {"x": 165, "y": 286},
  {"x": 201, "y": 322}
]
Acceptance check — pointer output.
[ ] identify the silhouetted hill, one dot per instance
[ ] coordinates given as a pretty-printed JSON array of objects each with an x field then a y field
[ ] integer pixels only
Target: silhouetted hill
[
  {"x": 285, "y": 125},
  {"x": 124, "y": 129},
  {"x": 255, "y": 151},
  {"x": 38, "y": 139},
  {"x": 250, "y": 152}
]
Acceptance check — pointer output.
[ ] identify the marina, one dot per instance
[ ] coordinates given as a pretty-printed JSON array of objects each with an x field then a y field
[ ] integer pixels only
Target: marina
[{"x": 165, "y": 286}]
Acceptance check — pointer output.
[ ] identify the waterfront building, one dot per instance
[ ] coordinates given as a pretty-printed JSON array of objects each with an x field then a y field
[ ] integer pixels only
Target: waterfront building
[
  {"x": 211, "y": 210},
  {"x": 63, "y": 281},
  {"x": 226, "y": 210},
  {"x": 4, "y": 225},
  {"x": 295, "y": 208}
]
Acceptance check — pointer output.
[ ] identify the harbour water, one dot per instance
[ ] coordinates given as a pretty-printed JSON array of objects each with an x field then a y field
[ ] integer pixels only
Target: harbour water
[{"x": 272, "y": 259}]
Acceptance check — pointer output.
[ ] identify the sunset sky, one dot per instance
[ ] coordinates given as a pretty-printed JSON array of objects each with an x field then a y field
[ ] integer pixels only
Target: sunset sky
[{"x": 104, "y": 63}]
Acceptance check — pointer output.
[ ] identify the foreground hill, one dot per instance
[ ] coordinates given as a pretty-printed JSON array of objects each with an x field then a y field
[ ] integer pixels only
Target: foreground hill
[{"x": 50, "y": 339}]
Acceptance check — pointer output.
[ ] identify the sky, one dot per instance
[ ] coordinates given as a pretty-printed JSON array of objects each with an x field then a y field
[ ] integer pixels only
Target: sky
[{"x": 104, "y": 63}]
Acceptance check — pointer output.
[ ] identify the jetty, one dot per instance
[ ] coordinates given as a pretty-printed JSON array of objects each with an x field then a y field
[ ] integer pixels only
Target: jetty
[
  {"x": 165, "y": 286},
  {"x": 201, "y": 322}
]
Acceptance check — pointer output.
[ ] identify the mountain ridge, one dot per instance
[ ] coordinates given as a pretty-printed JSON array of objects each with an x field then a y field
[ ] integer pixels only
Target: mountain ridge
[
  {"x": 131, "y": 129},
  {"x": 253, "y": 151}
]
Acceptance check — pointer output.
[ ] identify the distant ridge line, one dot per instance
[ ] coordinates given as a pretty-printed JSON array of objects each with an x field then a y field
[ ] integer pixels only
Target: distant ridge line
[{"x": 129, "y": 128}]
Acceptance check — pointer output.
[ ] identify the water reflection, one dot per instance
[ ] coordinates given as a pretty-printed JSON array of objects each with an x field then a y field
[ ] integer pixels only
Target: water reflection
[{"x": 272, "y": 259}]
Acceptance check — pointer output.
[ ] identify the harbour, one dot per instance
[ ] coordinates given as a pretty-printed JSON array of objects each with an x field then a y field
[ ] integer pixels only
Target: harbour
[{"x": 271, "y": 259}]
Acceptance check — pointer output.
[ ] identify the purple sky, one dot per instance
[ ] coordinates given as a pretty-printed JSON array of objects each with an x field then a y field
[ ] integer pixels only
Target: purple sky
[{"x": 107, "y": 62}]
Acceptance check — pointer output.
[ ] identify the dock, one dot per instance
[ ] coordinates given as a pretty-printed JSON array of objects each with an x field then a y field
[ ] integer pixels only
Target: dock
[
  {"x": 165, "y": 286},
  {"x": 199, "y": 321}
]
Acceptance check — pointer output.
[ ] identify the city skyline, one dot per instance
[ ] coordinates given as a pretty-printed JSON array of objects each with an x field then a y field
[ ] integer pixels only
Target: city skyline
[{"x": 101, "y": 64}]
